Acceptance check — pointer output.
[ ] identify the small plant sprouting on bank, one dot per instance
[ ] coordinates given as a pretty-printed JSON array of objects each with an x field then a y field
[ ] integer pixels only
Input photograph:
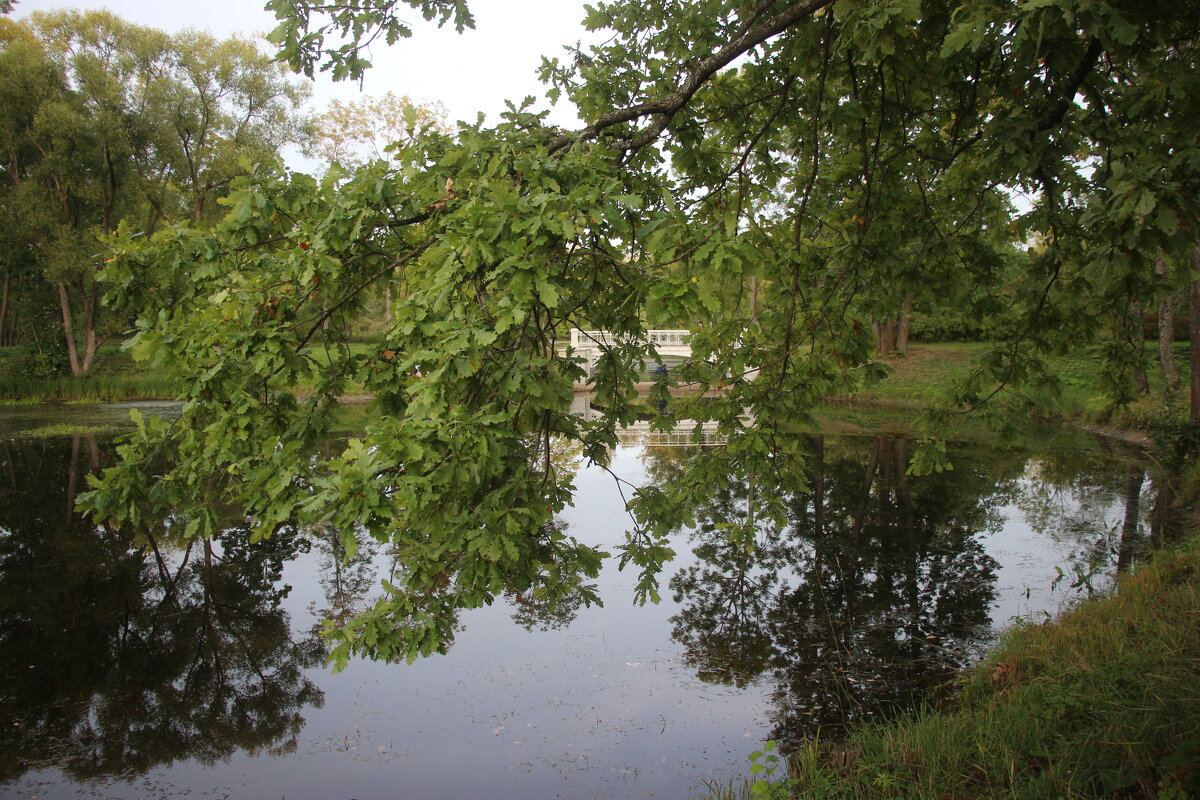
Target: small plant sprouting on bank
[
  {"x": 764, "y": 764},
  {"x": 1081, "y": 578}
]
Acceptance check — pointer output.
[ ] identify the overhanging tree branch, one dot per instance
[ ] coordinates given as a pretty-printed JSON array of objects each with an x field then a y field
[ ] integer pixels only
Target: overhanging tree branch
[{"x": 665, "y": 109}]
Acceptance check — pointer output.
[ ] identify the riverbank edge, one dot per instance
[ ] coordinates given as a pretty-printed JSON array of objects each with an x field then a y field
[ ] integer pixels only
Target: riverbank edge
[{"x": 1102, "y": 701}]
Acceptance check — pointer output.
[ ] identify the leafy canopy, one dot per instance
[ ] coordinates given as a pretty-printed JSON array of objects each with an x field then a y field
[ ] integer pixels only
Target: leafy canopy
[{"x": 776, "y": 174}]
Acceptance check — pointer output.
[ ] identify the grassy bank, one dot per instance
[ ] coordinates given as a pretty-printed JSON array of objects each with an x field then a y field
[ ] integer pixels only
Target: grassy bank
[
  {"x": 921, "y": 380},
  {"x": 89, "y": 389},
  {"x": 114, "y": 376},
  {"x": 1105, "y": 702},
  {"x": 1102, "y": 703},
  {"x": 927, "y": 375}
]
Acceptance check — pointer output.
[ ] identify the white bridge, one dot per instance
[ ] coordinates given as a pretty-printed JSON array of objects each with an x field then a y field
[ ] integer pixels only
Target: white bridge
[
  {"x": 589, "y": 345},
  {"x": 667, "y": 343}
]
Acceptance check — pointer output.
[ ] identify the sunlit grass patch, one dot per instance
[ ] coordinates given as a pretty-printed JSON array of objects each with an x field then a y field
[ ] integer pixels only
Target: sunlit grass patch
[
  {"x": 928, "y": 375},
  {"x": 47, "y": 431}
]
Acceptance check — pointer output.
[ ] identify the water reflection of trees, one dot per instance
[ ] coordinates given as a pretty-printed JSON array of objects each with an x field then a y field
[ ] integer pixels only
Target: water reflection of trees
[
  {"x": 346, "y": 576},
  {"x": 123, "y": 653},
  {"x": 1067, "y": 494},
  {"x": 874, "y": 591}
]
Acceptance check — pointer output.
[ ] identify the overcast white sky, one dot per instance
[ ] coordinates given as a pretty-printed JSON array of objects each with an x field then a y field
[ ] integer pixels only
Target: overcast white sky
[{"x": 468, "y": 73}]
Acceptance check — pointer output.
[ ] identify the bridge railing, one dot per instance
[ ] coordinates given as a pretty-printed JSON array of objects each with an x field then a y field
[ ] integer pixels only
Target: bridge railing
[
  {"x": 668, "y": 438},
  {"x": 668, "y": 338}
]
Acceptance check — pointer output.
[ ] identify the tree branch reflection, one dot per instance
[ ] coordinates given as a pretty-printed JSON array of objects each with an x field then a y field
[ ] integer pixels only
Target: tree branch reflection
[{"x": 125, "y": 652}]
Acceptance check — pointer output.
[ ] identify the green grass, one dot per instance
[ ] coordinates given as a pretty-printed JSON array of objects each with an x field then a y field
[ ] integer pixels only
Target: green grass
[
  {"x": 927, "y": 376},
  {"x": 48, "y": 431},
  {"x": 89, "y": 388},
  {"x": 1102, "y": 703},
  {"x": 923, "y": 377},
  {"x": 114, "y": 376}
]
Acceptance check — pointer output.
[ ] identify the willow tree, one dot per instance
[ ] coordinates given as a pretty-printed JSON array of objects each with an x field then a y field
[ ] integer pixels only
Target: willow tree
[
  {"x": 106, "y": 121},
  {"x": 352, "y": 133},
  {"x": 782, "y": 172}
]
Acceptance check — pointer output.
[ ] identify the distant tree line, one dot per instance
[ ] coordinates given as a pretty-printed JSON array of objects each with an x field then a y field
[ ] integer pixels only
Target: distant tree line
[{"x": 104, "y": 123}]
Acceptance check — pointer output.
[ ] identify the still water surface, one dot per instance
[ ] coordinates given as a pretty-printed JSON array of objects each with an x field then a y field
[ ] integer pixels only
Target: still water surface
[{"x": 134, "y": 666}]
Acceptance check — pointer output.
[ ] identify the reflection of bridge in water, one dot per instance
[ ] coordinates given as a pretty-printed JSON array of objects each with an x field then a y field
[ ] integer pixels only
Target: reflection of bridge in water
[
  {"x": 640, "y": 433},
  {"x": 681, "y": 435}
]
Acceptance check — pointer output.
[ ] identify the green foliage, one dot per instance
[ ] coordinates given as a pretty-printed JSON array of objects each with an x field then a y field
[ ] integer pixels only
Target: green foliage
[
  {"x": 1177, "y": 438},
  {"x": 103, "y": 121},
  {"x": 45, "y": 358},
  {"x": 763, "y": 765},
  {"x": 956, "y": 324},
  {"x": 359, "y": 22},
  {"x": 861, "y": 157},
  {"x": 929, "y": 456},
  {"x": 459, "y": 481}
]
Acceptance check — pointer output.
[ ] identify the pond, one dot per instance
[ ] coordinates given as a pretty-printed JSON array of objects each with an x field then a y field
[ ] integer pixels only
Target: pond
[{"x": 140, "y": 665}]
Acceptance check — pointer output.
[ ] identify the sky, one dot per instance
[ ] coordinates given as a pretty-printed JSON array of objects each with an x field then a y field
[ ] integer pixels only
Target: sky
[{"x": 472, "y": 72}]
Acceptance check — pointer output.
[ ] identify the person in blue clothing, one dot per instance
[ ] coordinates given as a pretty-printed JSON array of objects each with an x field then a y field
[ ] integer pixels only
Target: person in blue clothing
[{"x": 660, "y": 376}]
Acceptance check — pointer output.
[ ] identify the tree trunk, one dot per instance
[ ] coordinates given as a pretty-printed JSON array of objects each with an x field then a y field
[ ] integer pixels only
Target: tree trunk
[
  {"x": 4, "y": 312},
  {"x": 1194, "y": 338},
  {"x": 90, "y": 306},
  {"x": 885, "y": 336},
  {"x": 891, "y": 335},
  {"x": 91, "y": 300},
  {"x": 1139, "y": 346},
  {"x": 64, "y": 304},
  {"x": 903, "y": 323},
  {"x": 1166, "y": 334}
]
